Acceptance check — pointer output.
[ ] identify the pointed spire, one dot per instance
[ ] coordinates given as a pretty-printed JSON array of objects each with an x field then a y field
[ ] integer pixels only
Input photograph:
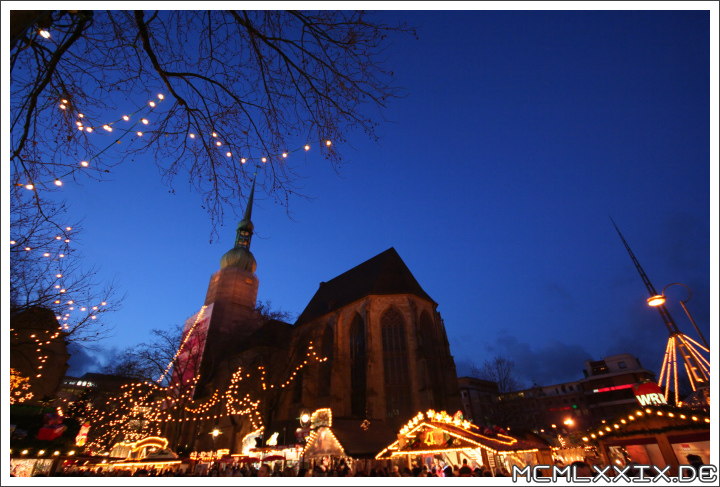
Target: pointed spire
[
  {"x": 248, "y": 208},
  {"x": 240, "y": 256},
  {"x": 246, "y": 227}
]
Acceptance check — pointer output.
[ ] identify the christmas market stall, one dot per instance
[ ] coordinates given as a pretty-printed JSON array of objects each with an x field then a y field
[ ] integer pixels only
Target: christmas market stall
[
  {"x": 150, "y": 453},
  {"x": 437, "y": 440},
  {"x": 659, "y": 435}
]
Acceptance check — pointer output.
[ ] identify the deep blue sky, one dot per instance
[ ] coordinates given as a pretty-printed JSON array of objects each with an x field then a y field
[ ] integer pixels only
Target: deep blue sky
[{"x": 494, "y": 178}]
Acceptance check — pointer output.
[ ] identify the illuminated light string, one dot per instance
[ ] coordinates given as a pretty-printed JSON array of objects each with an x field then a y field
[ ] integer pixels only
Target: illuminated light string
[
  {"x": 606, "y": 429},
  {"x": 134, "y": 403},
  {"x": 151, "y": 105}
]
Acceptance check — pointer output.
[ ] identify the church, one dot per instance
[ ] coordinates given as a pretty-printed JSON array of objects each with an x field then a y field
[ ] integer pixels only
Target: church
[{"x": 369, "y": 347}]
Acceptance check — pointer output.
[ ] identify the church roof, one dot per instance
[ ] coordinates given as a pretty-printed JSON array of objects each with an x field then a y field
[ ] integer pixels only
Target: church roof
[{"x": 384, "y": 274}]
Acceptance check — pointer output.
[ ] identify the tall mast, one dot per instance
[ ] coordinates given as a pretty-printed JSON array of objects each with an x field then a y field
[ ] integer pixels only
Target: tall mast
[{"x": 690, "y": 360}]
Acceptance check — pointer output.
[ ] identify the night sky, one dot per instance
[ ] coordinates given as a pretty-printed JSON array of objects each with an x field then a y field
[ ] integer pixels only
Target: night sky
[{"x": 521, "y": 132}]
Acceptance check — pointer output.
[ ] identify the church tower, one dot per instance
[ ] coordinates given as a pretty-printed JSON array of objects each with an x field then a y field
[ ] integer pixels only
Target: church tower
[{"x": 230, "y": 301}]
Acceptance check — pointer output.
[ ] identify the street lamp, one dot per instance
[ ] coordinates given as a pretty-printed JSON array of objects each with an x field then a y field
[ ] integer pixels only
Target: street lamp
[{"x": 659, "y": 300}]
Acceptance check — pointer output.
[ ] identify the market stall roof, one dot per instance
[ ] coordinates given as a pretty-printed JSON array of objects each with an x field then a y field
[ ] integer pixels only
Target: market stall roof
[
  {"x": 650, "y": 420},
  {"x": 426, "y": 434}
]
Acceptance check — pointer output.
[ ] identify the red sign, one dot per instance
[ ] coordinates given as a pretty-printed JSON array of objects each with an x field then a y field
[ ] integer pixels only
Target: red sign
[{"x": 649, "y": 394}]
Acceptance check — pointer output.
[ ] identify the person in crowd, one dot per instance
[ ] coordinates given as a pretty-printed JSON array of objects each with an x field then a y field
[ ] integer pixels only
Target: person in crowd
[
  {"x": 448, "y": 472},
  {"x": 465, "y": 471},
  {"x": 264, "y": 471}
]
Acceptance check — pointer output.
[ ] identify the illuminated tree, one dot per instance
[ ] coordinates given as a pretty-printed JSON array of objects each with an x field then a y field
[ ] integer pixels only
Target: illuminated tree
[
  {"x": 233, "y": 84},
  {"x": 46, "y": 272},
  {"x": 19, "y": 387}
]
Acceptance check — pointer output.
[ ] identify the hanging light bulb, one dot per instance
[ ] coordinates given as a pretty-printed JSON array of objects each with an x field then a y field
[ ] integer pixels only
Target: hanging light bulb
[
  {"x": 139, "y": 134},
  {"x": 68, "y": 228},
  {"x": 58, "y": 182},
  {"x": 84, "y": 164},
  {"x": 145, "y": 121},
  {"x": 89, "y": 129},
  {"x": 242, "y": 160},
  {"x": 126, "y": 118},
  {"x": 161, "y": 96},
  {"x": 152, "y": 104},
  {"x": 62, "y": 106},
  {"x": 229, "y": 154},
  {"x": 218, "y": 143},
  {"x": 29, "y": 186},
  {"x": 44, "y": 33},
  {"x": 58, "y": 237},
  {"x": 214, "y": 134},
  {"x": 264, "y": 159},
  {"x": 46, "y": 254},
  {"x": 328, "y": 143},
  {"x": 284, "y": 154},
  {"x": 192, "y": 136},
  {"x": 62, "y": 255},
  {"x": 307, "y": 147}
]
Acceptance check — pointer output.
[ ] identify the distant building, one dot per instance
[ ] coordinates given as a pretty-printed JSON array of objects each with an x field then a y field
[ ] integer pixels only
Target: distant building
[
  {"x": 605, "y": 392},
  {"x": 478, "y": 398}
]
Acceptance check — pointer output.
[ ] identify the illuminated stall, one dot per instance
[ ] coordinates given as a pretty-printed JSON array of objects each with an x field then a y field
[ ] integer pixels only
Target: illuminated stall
[
  {"x": 658, "y": 435},
  {"x": 438, "y": 440},
  {"x": 149, "y": 453}
]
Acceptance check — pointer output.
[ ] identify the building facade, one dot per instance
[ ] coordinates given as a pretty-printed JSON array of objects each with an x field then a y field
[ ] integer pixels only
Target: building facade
[{"x": 370, "y": 346}]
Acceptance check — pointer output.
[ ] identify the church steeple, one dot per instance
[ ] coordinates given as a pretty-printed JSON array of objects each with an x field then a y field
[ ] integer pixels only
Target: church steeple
[{"x": 240, "y": 255}]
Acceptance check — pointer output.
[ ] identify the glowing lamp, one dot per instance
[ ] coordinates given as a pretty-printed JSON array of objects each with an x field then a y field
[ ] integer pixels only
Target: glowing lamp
[
  {"x": 84, "y": 164},
  {"x": 307, "y": 147},
  {"x": 218, "y": 143},
  {"x": 328, "y": 143},
  {"x": 139, "y": 134},
  {"x": 284, "y": 154},
  {"x": 161, "y": 96},
  {"x": 242, "y": 160},
  {"x": 145, "y": 121},
  {"x": 229, "y": 154},
  {"x": 58, "y": 182},
  {"x": 126, "y": 118},
  {"x": 24, "y": 452},
  {"x": 44, "y": 33},
  {"x": 657, "y": 300},
  {"x": 152, "y": 103},
  {"x": 264, "y": 159},
  {"x": 29, "y": 186},
  {"x": 89, "y": 129}
]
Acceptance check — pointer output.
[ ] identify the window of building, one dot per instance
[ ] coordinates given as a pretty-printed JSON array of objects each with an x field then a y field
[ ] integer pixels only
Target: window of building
[
  {"x": 358, "y": 368},
  {"x": 464, "y": 394},
  {"x": 622, "y": 365},
  {"x": 395, "y": 358}
]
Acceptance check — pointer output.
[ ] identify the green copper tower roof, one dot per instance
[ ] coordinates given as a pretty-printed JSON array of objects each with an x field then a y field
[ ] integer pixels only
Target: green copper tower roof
[{"x": 240, "y": 255}]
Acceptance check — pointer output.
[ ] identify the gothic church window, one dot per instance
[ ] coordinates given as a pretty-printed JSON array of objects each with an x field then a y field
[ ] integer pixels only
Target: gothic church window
[
  {"x": 358, "y": 368},
  {"x": 395, "y": 358}
]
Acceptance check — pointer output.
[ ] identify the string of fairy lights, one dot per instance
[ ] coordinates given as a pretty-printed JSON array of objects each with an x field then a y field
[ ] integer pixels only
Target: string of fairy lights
[
  {"x": 690, "y": 417},
  {"x": 150, "y": 405},
  {"x": 84, "y": 124}
]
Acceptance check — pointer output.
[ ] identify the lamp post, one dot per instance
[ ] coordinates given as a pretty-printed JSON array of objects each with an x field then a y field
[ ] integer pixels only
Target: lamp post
[{"x": 659, "y": 300}]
